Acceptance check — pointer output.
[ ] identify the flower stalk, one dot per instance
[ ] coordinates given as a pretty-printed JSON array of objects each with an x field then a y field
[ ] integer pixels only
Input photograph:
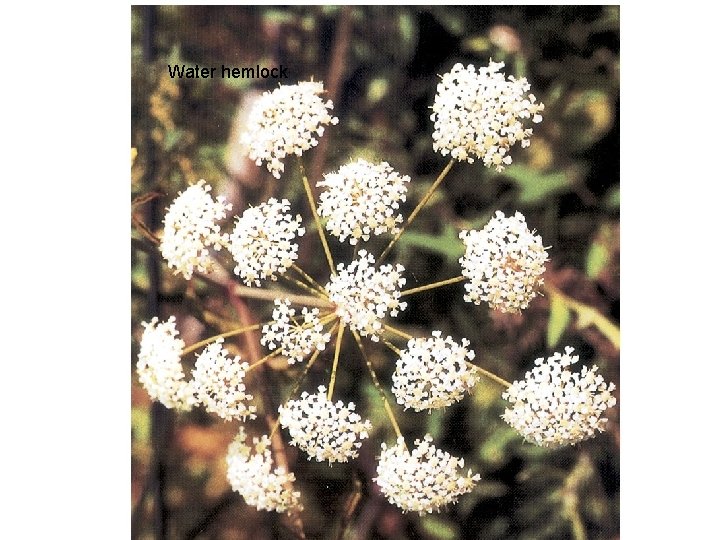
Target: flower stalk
[
  {"x": 319, "y": 288},
  {"x": 417, "y": 209},
  {"x": 272, "y": 294},
  {"x": 435, "y": 285},
  {"x": 397, "y": 331},
  {"x": 302, "y": 285},
  {"x": 490, "y": 375},
  {"x": 338, "y": 344},
  {"x": 376, "y": 382},
  {"x": 230, "y": 333},
  {"x": 316, "y": 217},
  {"x": 263, "y": 360}
]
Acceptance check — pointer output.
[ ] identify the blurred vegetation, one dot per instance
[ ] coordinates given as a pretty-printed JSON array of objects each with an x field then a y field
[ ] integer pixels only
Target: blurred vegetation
[{"x": 566, "y": 183}]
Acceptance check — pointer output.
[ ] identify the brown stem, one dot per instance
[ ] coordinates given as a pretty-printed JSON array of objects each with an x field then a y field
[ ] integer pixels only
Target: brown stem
[
  {"x": 350, "y": 507},
  {"x": 223, "y": 278},
  {"x": 252, "y": 340},
  {"x": 272, "y": 294},
  {"x": 162, "y": 418},
  {"x": 302, "y": 285},
  {"x": 333, "y": 80}
]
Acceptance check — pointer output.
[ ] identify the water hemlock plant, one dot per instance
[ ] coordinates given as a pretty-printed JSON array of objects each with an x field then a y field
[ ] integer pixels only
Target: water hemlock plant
[{"x": 479, "y": 114}]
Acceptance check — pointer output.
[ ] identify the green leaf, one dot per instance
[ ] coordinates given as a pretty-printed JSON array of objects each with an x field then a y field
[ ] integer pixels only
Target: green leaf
[
  {"x": 596, "y": 260},
  {"x": 376, "y": 410},
  {"x": 329, "y": 10},
  {"x": 535, "y": 186},
  {"x": 494, "y": 451},
  {"x": 438, "y": 528},
  {"x": 447, "y": 244},
  {"x": 588, "y": 316},
  {"x": 308, "y": 23},
  {"x": 558, "y": 321}
]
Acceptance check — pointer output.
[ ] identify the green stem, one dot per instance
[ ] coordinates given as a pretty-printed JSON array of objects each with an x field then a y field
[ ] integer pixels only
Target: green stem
[
  {"x": 302, "y": 285},
  {"x": 490, "y": 375},
  {"x": 309, "y": 279},
  {"x": 338, "y": 343},
  {"x": 316, "y": 217},
  {"x": 578, "y": 528},
  {"x": 378, "y": 387},
  {"x": 392, "y": 347},
  {"x": 419, "y": 207},
  {"x": 299, "y": 382},
  {"x": 432, "y": 285},
  {"x": 397, "y": 331},
  {"x": 209, "y": 340},
  {"x": 264, "y": 359},
  {"x": 327, "y": 318},
  {"x": 310, "y": 363},
  {"x": 272, "y": 294}
]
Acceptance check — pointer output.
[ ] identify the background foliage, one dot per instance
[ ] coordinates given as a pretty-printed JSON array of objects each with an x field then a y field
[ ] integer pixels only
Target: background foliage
[{"x": 386, "y": 61}]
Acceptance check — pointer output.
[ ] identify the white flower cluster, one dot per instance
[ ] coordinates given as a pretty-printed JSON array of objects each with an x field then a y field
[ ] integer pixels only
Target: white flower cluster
[
  {"x": 325, "y": 430},
  {"x": 295, "y": 339},
  {"x": 159, "y": 368},
  {"x": 364, "y": 294},
  {"x": 433, "y": 372},
  {"x": 262, "y": 242},
  {"x": 250, "y": 474},
  {"x": 218, "y": 383},
  {"x": 286, "y": 121},
  {"x": 479, "y": 113},
  {"x": 423, "y": 481},
  {"x": 361, "y": 199},
  {"x": 191, "y": 228},
  {"x": 503, "y": 263},
  {"x": 554, "y": 407}
]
